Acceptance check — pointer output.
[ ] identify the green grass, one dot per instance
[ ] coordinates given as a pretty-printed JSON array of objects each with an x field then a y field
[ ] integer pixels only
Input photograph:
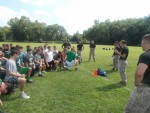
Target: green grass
[{"x": 77, "y": 92}]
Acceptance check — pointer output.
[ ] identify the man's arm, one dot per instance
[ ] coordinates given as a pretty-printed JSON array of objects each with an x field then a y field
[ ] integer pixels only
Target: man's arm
[
  {"x": 14, "y": 74},
  {"x": 121, "y": 55},
  {"x": 2, "y": 69},
  {"x": 46, "y": 55},
  {"x": 1, "y": 103},
  {"x": 141, "y": 68}
]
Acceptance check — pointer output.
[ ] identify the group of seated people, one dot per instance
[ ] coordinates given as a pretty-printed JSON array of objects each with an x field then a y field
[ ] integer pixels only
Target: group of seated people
[{"x": 18, "y": 66}]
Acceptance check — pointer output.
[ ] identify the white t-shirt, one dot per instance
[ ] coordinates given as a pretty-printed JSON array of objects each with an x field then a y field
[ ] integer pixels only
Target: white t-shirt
[
  {"x": 49, "y": 56},
  {"x": 45, "y": 50}
]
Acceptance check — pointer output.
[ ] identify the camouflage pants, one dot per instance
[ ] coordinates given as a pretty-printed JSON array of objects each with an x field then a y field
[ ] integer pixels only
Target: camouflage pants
[
  {"x": 122, "y": 65},
  {"x": 92, "y": 53},
  {"x": 139, "y": 101},
  {"x": 115, "y": 61},
  {"x": 79, "y": 53}
]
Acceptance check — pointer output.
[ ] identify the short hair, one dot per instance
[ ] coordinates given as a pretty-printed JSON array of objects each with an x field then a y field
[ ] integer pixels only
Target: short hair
[
  {"x": 28, "y": 46},
  {"x": 146, "y": 37},
  {"x": 123, "y": 42},
  {"x": 49, "y": 47},
  {"x": 12, "y": 48},
  {"x": 7, "y": 45},
  {"x": 19, "y": 47},
  {"x": 116, "y": 42},
  {"x": 10, "y": 88},
  {"x": 14, "y": 51}
]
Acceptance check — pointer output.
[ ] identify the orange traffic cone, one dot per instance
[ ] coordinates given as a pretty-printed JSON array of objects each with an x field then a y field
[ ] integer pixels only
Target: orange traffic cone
[{"x": 95, "y": 73}]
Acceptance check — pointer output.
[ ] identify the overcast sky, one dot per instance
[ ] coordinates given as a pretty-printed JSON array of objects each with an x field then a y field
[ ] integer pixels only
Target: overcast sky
[{"x": 74, "y": 15}]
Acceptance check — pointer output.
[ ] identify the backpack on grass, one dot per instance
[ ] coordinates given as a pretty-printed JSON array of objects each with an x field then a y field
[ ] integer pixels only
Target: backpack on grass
[{"x": 101, "y": 73}]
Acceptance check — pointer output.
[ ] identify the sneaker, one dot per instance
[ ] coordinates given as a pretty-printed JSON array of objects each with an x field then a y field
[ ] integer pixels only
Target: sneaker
[
  {"x": 124, "y": 83},
  {"x": 79, "y": 62},
  {"x": 76, "y": 69},
  {"x": 116, "y": 69},
  {"x": 29, "y": 81},
  {"x": 113, "y": 68},
  {"x": 24, "y": 96},
  {"x": 43, "y": 71},
  {"x": 41, "y": 75}
]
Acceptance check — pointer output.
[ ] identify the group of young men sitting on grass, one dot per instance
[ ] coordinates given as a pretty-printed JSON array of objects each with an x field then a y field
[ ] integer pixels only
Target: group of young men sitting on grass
[{"x": 16, "y": 66}]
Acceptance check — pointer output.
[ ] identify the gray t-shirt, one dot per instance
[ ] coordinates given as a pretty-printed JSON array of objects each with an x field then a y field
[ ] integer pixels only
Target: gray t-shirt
[
  {"x": 10, "y": 66},
  {"x": 37, "y": 57}
]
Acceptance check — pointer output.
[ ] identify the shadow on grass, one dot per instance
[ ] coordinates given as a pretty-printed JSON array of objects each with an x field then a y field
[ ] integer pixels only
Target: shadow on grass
[
  {"x": 109, "y": 87},
  {"x": 87, "y": 61},
  {"x": 110, "y": 71},
  {"x": 9, "y": 98}
]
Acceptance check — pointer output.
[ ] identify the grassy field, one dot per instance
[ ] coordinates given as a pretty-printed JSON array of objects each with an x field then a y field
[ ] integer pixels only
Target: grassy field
[{"x": 77, "y": 91}]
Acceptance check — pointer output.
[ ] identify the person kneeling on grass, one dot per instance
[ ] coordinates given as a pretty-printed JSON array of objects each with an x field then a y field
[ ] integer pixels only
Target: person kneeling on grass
[
  {"x": 12, "y": 75},
  {"x": 20, "y": 65},
  {"x": 38, "y": 63},
  {"x": 71, "y": 59}
]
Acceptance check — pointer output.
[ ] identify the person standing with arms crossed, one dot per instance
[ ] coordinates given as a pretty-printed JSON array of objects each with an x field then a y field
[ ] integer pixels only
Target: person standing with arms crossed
[
  {"x": 80, "y": 47},
  {"x": 139, "y": 101},
  {"x": 122, "y": 65},
  {"x": 92, "y": 50},
  {"x": 116, "y": 56}
]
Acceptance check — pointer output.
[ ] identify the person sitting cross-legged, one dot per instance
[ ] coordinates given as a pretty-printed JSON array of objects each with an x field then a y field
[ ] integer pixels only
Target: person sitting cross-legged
[{"x": 12, "y": 75}]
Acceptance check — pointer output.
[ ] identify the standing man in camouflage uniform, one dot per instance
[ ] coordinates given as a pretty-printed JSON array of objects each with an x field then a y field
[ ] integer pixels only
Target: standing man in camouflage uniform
[
  {"x": 123, "y": 61},
  {"x": 139, "y": 101},
  {"x": 92, "y": 50},
  {"x": 116, "y": 56}
]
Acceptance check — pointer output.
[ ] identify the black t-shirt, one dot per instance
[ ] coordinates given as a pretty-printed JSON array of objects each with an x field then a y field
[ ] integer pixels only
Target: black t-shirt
[
  {"x": 65, "y": 45},
  {"x": 124, "y": 50},
  {"x": 118, "y": 49},
  {"x": 79, "y": 47},
  {"x": 145, "y": 58},
  {"x": 6, "y": 53},
  {"x": 92, "y": 46},
  {"x": 42, "y": 55}
]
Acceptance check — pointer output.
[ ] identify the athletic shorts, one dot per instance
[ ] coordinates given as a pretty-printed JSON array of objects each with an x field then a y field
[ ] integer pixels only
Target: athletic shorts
[
  {"x": 13, "y": 81},
  {"x": 24, "y": 70},
  {"x": 68, "y": 64},
  {"x": 51, "y": 63},
  {"x": 37, "y": 66}
]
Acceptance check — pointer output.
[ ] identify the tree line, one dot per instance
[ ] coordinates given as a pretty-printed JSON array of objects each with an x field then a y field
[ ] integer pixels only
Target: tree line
[
  {"x": 131, "y": 30},
  {"x": 24, "y": 29},
  {"x": 106, "y": 32}
]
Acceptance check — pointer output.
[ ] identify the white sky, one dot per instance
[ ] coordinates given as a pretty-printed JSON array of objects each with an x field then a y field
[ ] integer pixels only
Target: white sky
[{"x": 74, "y": 15}]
